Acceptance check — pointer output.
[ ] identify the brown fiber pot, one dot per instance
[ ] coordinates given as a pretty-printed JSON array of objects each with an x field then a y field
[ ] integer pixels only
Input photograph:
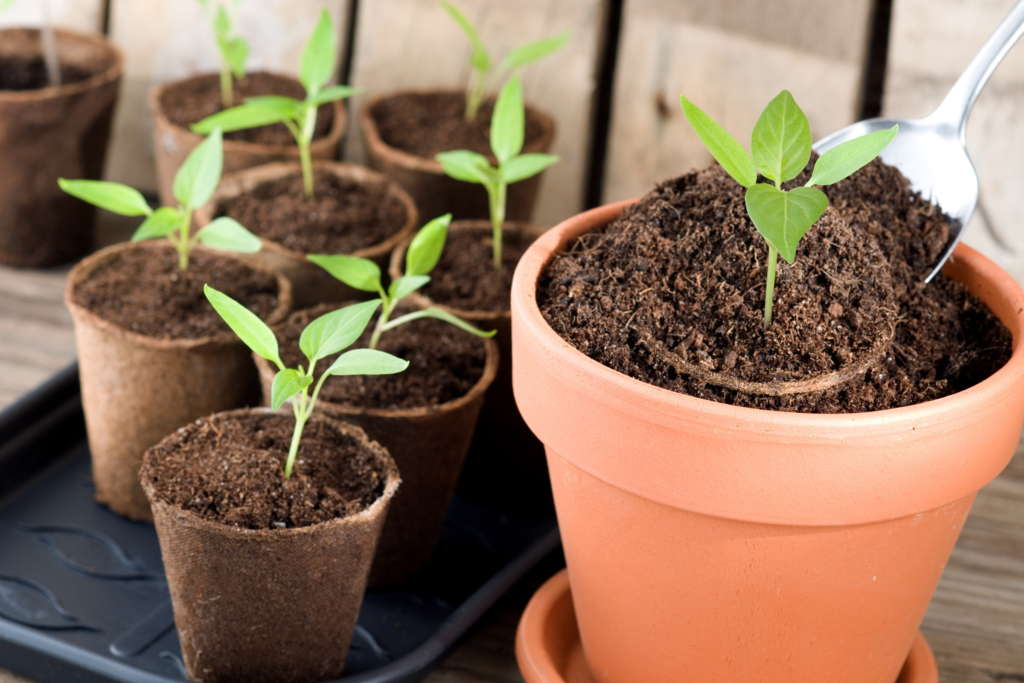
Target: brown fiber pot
[
  {"x": 47, "y": 134},
  {"x": 268, "y": 606},
  {"x": 506, "y": 463},
  {"x": 172, "y": 143},
  {"x": 311, "y": 284},
  {"x": 136, "y": 389},
  {"x": 435, "y": 193},
  {"x": 708, "y": 542},
  {"x": 429, "y": 445}
]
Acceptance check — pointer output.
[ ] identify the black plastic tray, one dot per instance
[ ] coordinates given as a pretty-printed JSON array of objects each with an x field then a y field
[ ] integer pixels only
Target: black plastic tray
[{"x": 83, "y": 595}]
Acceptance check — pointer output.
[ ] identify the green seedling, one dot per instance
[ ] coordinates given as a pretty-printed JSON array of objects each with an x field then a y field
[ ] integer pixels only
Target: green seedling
[
  {"x": 421, "y": 257},
  {"x": 299, "y": 116},
  {"x": 781, "y": 146},
  {"x": 325, "y": 336},
  {"x": 481, "y": 64},
  {"x": 508, "y": 125},
  {"x": 193, "y": 186},
  {"x": 233, "y": 49}
]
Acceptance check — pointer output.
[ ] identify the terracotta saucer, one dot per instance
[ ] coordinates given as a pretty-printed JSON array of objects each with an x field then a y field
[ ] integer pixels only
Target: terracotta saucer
[{"x": 548, "y": 646}]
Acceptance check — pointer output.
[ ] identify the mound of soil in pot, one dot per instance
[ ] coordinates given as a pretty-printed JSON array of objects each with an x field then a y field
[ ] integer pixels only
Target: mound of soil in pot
[
  {"x": 682, "y": 275},
  {"x": 144, "y": 291},
  {"x": 23, "y": 73},
  {"x": 231, "y": 470},
  {"x": 465, "y": 279},
  {"x": 425, "y": 124},
  {"x": 343, "y": 217},
  {"x": 192, "y": 100}
]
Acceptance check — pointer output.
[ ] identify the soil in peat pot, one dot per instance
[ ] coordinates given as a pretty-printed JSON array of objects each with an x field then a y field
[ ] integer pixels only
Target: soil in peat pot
[
  {"x": 19, "y": 73},
  {"x": 192, "y": 100},
  {"x": 343, "y": 217},
  {"x": 681, "y": 275},
  {"x": 144, "y": 291},
  {"x": 231, "y": 470}
]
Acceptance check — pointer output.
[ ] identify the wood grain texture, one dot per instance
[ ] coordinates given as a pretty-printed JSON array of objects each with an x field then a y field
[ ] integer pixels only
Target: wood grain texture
[
  {"x": 414, "y": 44},
  {"x": 78, "y": 15}
]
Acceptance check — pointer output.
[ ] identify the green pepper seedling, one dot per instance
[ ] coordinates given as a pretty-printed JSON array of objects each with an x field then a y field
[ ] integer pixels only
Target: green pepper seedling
[
  {"x": 194, "y": 184},
  {"x": 233, "y": 49}
]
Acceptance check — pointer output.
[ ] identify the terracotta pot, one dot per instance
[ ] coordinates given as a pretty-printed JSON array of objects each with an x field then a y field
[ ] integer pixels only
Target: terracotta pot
[
  {"x": 707, "y": 542},
  {"x": 50, "y": 133},
  {"x": 172, "y": 143},
  {"x": 434, "y": 192},
  {"x": 429, "y": 445},
  {"x": 268, "y": 605},
  {"x": 506, "y": 463},
  {"x": 137, "y": 389},
  {"x": 311, "y": 284}
]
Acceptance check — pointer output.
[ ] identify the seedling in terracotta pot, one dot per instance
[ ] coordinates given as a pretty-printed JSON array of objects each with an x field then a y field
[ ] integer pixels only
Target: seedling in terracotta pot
[
  {"x": 233, "y": 49},
  {"x": 481, "y": 64},
  {"x": 508, "y": 124},
  {"x": 193, "y": 186},
  {"x": 299, "y": 116},
  {"x": 781, "y": 146},
  {"x": 323, "y": 337},
  {"x": 421, "y": 257}
]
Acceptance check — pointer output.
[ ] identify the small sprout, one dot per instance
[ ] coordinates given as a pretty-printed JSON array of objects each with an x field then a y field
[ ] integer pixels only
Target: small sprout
[
  {"x": 781, "y": 146},
  {"x": 323, "y": 337},
  {"x": 480, "y": 61},
  {"x": 299, "y": 116},
  {"x": 193, "y": 186},
  {"x": 421, "y": 257},
  {"x": 508, "y": 126},
  {"x": 233, "y": 49}
]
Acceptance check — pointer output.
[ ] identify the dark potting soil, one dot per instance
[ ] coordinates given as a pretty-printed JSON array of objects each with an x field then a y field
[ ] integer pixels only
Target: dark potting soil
[
  {"x": 19, "y": 73},
  {"x": 444, "y": 363},
  {"x": 144, "y": 291},
  {"x": 231, "y": 470},
  {"x": 683, "y": 272},
  {"x": 465, "y": 279},
  {"x": 425, "y": 124},
  {"x": 344, "y": 216},
  {"x": 193, "y": 100}
]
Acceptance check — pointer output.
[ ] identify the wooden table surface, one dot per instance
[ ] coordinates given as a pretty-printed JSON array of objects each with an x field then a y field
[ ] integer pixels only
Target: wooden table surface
[{"x": 975, "y": 623}]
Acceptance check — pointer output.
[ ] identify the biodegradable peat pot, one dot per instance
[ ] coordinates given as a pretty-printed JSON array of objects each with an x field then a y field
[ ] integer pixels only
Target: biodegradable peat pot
[
  {"x": 267, "y": 605},
  {"x": 48, "y": 133},
  {"x": 422, "y": 177},
  {"x": 429, "y": 445},
  {"x": 311, "y": 284},
  {"x": 172, "y": 142},
  {"x": 708, "y": 542},
  {"x": 137, "y": 389}
]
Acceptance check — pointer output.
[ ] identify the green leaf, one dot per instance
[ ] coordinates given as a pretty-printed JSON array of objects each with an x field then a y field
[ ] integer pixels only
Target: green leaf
[
  {"x": 358, "y": 273},
  {"x": 336, "y": 330},
  {"x": 221, "y": 22},
  {"x": 236, "y": 51},
  {"x": 286, "y": 384},
  {"x": 781, "y": 141},
  {"x": 318, "y": 56},
  {"x": 160, "y": 223},
  {"x": 197, "y": 178},
  {"x": 426, "y": 247},
  {"x": 286, "y": 107},
  {"x": 457, "y": 321},
  {"x": 526, "y": 166},
  {"x": 253, "y": 332},
  {"x": 335, "y": 92},
  {"x": 115, "y": 197},
  {"x": 406, "y": 285},
  {"x": 726, "y": 150},
  {"x": 508, "y": 122},
  {"x": 531, "y": 52},
  {"x": 366, "y": 362},
  {"x": 469, "y": 167},
  {"x": 227, "y": 234},
  {"x": 843, "y": 160},
  {"x": 782, "y": 218},
  {"x": 480, "y": 60},
  {"x": 238, "y": 118}
]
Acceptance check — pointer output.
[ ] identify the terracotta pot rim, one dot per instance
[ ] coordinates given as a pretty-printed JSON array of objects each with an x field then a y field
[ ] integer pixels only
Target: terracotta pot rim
[
  {"x": 399, "y": 157},
  {"x": 99, "y": 42},
  {"x": 273, "y": 535},
  {"x": 333, "y": 137},
  {"x": 84, "y": 268}
]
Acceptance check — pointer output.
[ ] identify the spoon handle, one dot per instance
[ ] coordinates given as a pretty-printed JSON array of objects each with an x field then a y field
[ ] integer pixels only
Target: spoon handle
[{"x": 956, "y": 107}]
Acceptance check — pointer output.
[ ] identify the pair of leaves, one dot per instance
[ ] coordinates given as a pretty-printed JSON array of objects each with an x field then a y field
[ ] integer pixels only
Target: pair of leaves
[
  {"x": 518, "y": 57},
  {"x": 317, "y": 63},
  {"x": 233, "y": 49}
]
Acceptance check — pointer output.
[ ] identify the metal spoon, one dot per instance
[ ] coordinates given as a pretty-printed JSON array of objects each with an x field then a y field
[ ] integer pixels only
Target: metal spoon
[{"x": 931, "y": 152}]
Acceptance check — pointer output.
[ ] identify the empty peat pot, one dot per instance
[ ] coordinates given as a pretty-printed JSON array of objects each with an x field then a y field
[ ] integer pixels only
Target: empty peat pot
[
  {"x": 50, "y": 132},
  {"x": 709, "y": 542}
]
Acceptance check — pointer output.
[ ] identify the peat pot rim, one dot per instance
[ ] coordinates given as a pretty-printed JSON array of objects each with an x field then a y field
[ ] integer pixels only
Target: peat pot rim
[
  {"x": 758, "y": 465},
  {"x": 98, "y": 42},
  {"x": 84, "y": 268}
]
